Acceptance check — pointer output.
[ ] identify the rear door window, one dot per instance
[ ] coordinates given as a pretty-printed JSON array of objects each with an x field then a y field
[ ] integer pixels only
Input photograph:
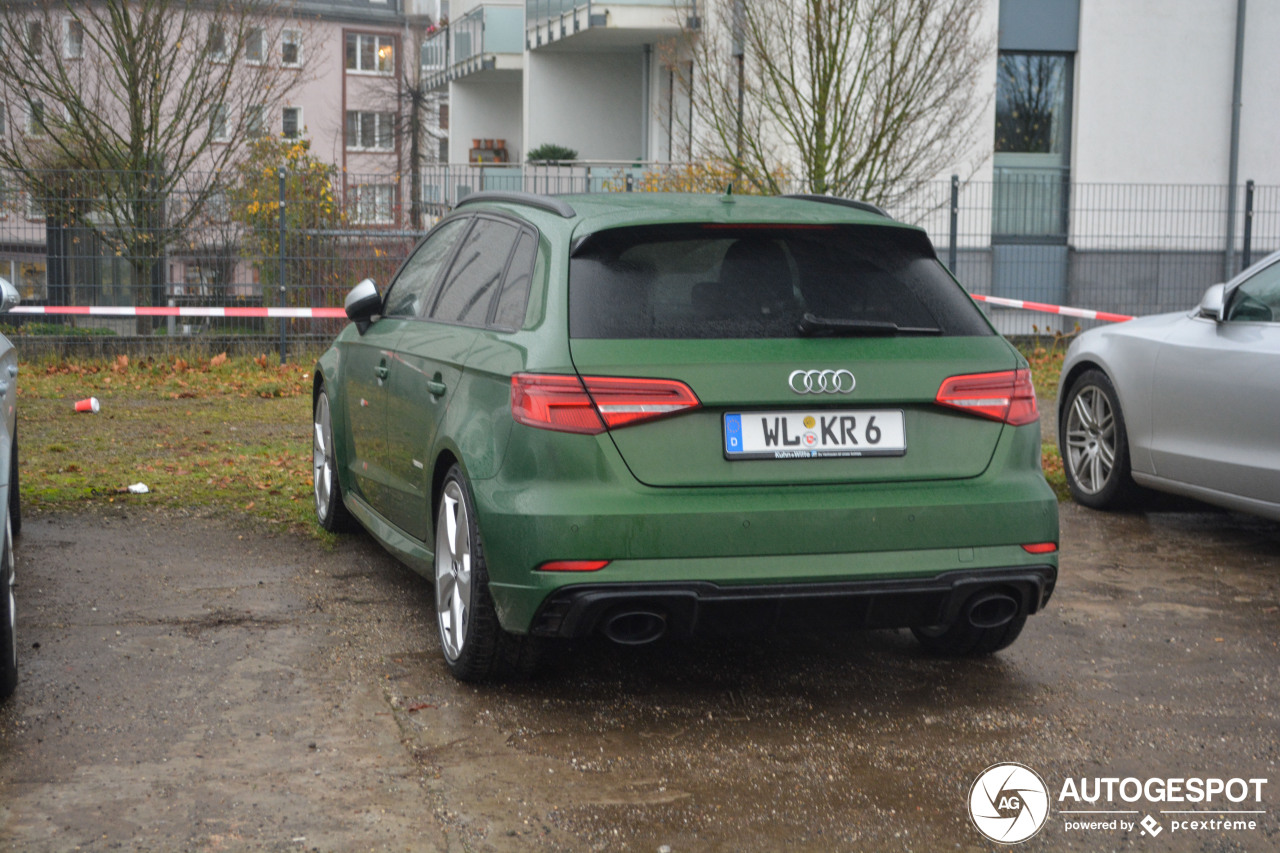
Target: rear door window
[
  {"x": 729, "y": 281},
  {"x": 472, "y": 281}
]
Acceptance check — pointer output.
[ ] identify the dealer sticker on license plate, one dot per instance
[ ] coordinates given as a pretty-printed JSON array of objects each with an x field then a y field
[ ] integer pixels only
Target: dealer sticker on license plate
[{"x": 814, "y": 435}]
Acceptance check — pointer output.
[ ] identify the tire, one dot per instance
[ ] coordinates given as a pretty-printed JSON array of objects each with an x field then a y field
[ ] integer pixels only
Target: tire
[
  {"x": 1094, "y": 444},
  {"x": 331, "y": 510},
  {"x": 8, "y": 617},
  {"x": 960, "y": 639},
  {"x": 474, "y": 645},
  {"x": 15, "y": 496}
]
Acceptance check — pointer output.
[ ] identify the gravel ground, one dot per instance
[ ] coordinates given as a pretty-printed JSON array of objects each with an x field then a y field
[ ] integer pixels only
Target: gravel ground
[{"x": 193, "y": 683}]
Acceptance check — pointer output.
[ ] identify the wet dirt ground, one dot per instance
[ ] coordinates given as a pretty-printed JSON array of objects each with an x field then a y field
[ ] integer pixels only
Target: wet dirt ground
[{"x": 192, "y": 683}]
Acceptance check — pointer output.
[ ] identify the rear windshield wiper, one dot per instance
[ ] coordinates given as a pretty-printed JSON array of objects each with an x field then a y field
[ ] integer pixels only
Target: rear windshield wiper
[{"x": 811, "y": 326}]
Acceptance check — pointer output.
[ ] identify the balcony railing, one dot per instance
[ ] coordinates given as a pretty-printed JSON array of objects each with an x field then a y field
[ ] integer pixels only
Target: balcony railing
[
  {"x": 484, "y": 31},
  {"x": 547, "y": 21}
]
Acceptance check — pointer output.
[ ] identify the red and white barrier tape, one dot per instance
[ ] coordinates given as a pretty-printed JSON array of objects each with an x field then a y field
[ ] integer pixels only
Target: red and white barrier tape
[
  {"x": 144, "y": 311},
  {"x": 339, "y": 313},
  {"x": 1046, "y": 308}
]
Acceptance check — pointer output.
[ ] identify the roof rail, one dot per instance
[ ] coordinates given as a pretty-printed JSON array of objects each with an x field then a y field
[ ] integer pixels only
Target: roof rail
[
  {"x": 542, "y": 202},
  {"x": 843, "y": 202}
]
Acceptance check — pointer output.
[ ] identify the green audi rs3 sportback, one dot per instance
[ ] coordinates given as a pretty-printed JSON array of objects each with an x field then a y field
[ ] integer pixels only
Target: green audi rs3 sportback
[{"x": 644, "y": 415}]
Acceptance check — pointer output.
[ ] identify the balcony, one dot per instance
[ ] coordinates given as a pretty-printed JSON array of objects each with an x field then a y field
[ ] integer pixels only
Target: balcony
[
  {"x": 485, "y": 41},
  {"x": 605, "y": 24}
]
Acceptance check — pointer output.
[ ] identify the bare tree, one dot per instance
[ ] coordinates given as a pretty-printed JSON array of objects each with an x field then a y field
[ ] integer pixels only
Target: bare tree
[
  {"x": 861, "y": 98},
  {"x": 146, "y": 102}
]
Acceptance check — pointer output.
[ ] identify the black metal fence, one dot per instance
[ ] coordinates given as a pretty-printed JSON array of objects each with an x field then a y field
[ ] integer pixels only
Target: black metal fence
[{"x": 276, "y": 239}]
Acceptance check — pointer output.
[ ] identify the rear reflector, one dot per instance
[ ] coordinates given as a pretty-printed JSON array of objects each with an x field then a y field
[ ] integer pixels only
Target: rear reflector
[
  {"x": 1041, "y": 548},
  {"x": 592, "y": 404},
  {"x": 1007, "y": 396},
  {"x": 573, "y": 566}
]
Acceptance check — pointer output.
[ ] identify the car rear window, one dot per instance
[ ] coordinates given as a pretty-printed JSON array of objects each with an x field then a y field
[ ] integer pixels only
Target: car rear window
[{"x": 730, "y": 281}]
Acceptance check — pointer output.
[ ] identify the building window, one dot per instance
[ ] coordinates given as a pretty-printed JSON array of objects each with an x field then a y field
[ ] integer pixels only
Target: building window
[
  {"x": 34, "y": 207},
  {"x": 217, "y": 42},
  {"x": 1031, "y": 106},
  {"x": 35, "y": 39},
  {"x": 374, "y": 204},
  {"x": 254, "y": 46},
  {"x": 370, "y": 131},
  {"x": 370, "y": 53},
  {"x": 217, "y": 207},
  {"x": 291, "y": 48},
  {"x": 255, "y": 121},
  {"x": 1033, "y": 131},
  {"x": 444, "y": 116},
  {"x": 35, "y": 117},
  {"x": 218, "y": 118},
  {"x": 72, "y": 39},
  {"x": 291, "y": 123}
]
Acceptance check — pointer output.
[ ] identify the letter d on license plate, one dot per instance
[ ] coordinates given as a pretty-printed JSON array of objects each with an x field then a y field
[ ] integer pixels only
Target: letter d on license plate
[{"x": 814, "y": 435}]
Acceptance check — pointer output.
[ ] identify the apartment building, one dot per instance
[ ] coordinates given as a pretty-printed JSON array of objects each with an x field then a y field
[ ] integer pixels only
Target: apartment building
[{"x": 1134, "y": 128}]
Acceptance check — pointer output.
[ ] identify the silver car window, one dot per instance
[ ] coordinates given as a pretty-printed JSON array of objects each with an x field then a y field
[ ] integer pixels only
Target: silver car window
[{"x": 1257, "y": 299}]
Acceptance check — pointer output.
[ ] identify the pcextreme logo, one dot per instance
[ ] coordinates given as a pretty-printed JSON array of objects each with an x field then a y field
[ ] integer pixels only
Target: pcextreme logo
[{"x": 1008, "y": 803}]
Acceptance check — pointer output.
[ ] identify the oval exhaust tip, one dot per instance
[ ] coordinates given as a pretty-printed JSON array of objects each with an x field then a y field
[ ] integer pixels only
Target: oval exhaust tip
[
  {"x": 635, "y": 627},
  {"x": 992, "y": 610}
]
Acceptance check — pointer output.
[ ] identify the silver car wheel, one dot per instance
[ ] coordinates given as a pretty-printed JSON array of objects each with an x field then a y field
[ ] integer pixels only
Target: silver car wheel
[
  {"x": 1091, "y": 439},
  {"x": 13, "y": 602},
  {"x": 453, "y": 569},
  {"x": 322, "y": 456}
]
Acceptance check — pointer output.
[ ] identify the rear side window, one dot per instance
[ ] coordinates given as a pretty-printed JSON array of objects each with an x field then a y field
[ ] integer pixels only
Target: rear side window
[
  {"x": 515, "y": 287},
  {"x": 472, "y": 282},
  {"x": 721, "y": 281},
  {"x": 409, "y": 291}
]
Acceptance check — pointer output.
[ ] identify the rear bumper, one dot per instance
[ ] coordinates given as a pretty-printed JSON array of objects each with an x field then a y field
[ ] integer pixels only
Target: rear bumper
[{"x": 702, "y": 607}]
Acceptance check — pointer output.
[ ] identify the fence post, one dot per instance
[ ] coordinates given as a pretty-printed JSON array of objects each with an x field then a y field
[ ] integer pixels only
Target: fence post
[
  {"x": 955, "y": 222},
  {"x": 283, "y": 328},
  {"x": 1247, "y": 258}
]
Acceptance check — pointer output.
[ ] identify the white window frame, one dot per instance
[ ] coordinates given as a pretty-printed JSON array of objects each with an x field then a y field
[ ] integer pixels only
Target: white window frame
[
  {"x": 379, "y": 41},
  {"x": 379, "y": 118},
  {"x": 218, "y": 27},
  {"x": 218, "y": 207},
  {"x": 294, "y": 37},
  {"x": 31, "y": 207},
  {"x": 219, "y": 120},
  {"x": 31, "y": 125},
  {"x": 72, "y": 48},
  {"x": 299, "y": 128},
  {"x": 374, "y": 204},
  {"x": 255, "y": 121},
  {"x": 261, "y": 35}
]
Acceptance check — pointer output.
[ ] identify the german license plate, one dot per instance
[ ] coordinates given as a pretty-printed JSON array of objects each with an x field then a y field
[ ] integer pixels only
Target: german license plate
[{"x": 818, "y": 434}]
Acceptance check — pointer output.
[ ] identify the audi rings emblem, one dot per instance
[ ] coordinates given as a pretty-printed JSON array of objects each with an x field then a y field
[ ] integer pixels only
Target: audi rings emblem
[{"x": 821, "y": 381}]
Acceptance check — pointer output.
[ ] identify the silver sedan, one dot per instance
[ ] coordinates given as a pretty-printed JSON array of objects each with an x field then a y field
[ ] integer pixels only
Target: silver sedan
[{"x": 1187, "y": 403}]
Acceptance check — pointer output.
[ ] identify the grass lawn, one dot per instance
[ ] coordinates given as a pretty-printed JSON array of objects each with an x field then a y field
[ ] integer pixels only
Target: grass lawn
[
  {"x": 225, "y": 434},
  {"x": 228, "y": 434}
]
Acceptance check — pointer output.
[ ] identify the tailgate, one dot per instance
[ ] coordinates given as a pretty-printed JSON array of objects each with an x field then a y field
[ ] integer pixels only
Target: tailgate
[{"x": 753, "y": 380}]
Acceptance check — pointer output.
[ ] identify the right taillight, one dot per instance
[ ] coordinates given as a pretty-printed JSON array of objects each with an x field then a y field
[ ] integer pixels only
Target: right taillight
[
  {"x": 1007, "y": 396},
  {"x": 592, "y": 404}
]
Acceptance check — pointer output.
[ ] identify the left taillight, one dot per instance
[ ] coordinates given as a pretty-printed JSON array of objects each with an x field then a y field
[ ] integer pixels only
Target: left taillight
[
  {"x": 1007, "y": 396},
  {"x": 593, "y": 404}
]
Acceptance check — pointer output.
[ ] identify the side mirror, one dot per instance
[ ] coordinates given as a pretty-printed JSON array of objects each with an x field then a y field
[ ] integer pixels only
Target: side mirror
[
  {"x": 363, "y": 304},
  {"x": 9, "y": 297},
  {"x": 1213, "y": 303}
]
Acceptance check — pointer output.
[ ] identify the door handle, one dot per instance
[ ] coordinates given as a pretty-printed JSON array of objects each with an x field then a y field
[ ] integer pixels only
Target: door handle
[
  {"x": 436, "y": 387},
  {"x": 383, "y": 371}
]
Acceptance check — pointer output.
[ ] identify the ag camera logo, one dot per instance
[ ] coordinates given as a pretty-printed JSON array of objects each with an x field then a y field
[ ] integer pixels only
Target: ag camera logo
[{"x": 1009, "y": 803}]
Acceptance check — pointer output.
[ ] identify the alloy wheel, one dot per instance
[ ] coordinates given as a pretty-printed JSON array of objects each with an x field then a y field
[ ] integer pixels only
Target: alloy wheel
[
  {"x": 1091, "y": 439},
  {"x": 322, "y": 456},
  {"x": 453, "y": 569}
]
